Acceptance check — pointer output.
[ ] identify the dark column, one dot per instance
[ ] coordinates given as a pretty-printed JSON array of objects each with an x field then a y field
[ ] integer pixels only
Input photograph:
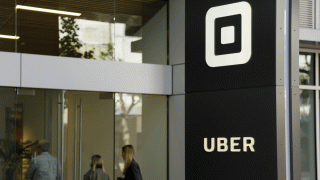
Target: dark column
[{"x": 235, "y": 90}]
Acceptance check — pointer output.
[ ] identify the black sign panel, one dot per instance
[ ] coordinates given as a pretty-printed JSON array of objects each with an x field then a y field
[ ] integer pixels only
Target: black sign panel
[
  {"x": 234, "y": 106},
  {"x": 229, "y": 48},
  {"x": 230, "y": 44},
  {"x": 242, "y": 126}
]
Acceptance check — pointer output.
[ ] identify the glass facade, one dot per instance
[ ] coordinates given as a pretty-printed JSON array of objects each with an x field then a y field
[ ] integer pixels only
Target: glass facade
[
  {"x": 8, "y": 26},
  {"x": 307, "y": 134},
  {"x": 78, "y": 125},
  {"x": 309, "y": 103},
  {"x": 140, "y": 120},
  {"x": 110, "y": 30},
  {"x": 307, "y": 69},
  {"x": 10, "y": 160}
]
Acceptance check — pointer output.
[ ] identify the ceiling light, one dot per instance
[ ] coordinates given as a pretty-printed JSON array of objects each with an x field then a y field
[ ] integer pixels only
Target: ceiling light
[
  {"x": 47, "y": 10},
  {"x": 9, "y": 37}
]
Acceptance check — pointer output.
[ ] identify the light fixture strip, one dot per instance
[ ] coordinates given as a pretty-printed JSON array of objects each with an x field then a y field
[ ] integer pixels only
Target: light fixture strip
[
  {"x": 47, "y": 10},
  {"x": 9, "y": 37}
]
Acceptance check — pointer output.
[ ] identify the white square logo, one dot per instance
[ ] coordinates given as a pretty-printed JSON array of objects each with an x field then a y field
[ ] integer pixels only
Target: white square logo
[{"x": 229, "y": 34}]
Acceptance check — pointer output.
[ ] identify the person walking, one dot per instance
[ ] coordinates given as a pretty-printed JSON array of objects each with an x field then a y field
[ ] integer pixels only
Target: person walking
[
  {"x": 131, "y": 167},
  {"x": 44, "y": 166},
  {"x": 97, "y": 171}
]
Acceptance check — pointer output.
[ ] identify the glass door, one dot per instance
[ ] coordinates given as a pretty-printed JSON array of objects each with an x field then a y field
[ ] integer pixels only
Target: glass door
[
  {"x": 10, "y": 135},
  {"x": 90, "y": 132},
  {"x": 41, "y": 120}
]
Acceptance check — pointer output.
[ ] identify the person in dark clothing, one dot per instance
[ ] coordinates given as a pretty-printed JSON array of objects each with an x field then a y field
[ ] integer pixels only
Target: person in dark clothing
[
  {"x": 97, "y": 171},
  {"x": 131, "y": 168}
]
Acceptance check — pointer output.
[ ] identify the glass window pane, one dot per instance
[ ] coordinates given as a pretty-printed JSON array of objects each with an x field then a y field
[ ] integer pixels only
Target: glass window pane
[
  {"x": 40, "y": 122},
  {"x": 88, "y": 120},
  {"x": 7, "y": 26},
  {"x": 141, "y": 32},
  {"x": 96, "y": 130},
  {"x": 136, "y": 33},
  {"x": 307, "y": 69},
  {"x": 306, "y": 43},
  {"x": 307, "y": 134},
  {"x": 86, "y": 33},
  {"x": 76, "y": 124},
  {"x": 141, "y": 120},
  {"x": 10, "y": 167}
]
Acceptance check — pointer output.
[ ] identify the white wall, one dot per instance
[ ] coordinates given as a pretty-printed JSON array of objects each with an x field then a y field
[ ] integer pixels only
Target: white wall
[
  {"x": 9, "y": 69},
  {"x": 51, "y": 72}
]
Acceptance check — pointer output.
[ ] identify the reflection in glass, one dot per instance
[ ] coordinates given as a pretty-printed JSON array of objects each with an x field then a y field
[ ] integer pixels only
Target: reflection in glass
[
  {"x": 306, "y": 69},
  {"x": 87, "y": 39},
  {"x": 40, "y": 121},
  {"x": 78, "y": 125},
  {"x": 62, "y": 35},
  {"x": 9, "y": 158},
  {"x": 307, "y": 135},
  {"x": 141, "y": 120},
  {"x": 137, "y": 32},
  {"x": 141, "y": 32},
  {"x": 7, "y": 26}
]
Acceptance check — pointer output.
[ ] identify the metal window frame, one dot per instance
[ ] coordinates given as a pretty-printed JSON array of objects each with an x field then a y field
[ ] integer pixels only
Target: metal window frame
[
  {"x": 317, "y": 14},
  {"x": 315, "y": 88}
]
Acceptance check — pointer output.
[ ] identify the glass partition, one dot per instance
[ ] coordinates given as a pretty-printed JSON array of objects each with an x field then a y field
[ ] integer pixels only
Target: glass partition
[
  {"x": 141, "y": 120},
  {"x": 10, "y": 138},
  {"x": 40, "y": 122},
  {"x": 91, "y": 130},
  {"x": 141, "y": 31},
  {"x": 65, "y": 28},
  {"x": 123, "y": 31},
  {"x": 307, "y": 134},
  {"x": 8, "y": 26},
  {"x": 28, "y": 116},
  {"x": 307, "y": 68},
  {"x": 78, "y": 125}
]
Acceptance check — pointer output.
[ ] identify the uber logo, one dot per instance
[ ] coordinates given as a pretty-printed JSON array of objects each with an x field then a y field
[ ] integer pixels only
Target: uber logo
[
  {"x": 222, "y": 144},
  {"x": 229, "y": 34}
]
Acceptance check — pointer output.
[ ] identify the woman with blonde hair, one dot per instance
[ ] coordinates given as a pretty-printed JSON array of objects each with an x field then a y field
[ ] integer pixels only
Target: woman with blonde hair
[
  {"x": 97, "y": 171},
  {"x": 131, "y": 168}
]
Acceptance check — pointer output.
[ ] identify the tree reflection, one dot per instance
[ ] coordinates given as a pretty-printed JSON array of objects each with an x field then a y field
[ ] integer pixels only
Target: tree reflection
[
  {"x": 307, "y": 115},
  {"x": 306, "y": 71},
  {"x": 70, "y": 43},
  {"x": 125, "y": 103}
]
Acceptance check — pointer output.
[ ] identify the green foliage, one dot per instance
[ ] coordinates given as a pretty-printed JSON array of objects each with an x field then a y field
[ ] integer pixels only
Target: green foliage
[
  {"x": 88, "y": 55},
  {"x": 109, "y": 54},
  {"x": 70, "y": 43}
]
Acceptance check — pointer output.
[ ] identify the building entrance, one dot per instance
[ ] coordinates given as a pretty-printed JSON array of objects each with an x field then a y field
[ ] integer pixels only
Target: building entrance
[{"x": 78, "y": 125}]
